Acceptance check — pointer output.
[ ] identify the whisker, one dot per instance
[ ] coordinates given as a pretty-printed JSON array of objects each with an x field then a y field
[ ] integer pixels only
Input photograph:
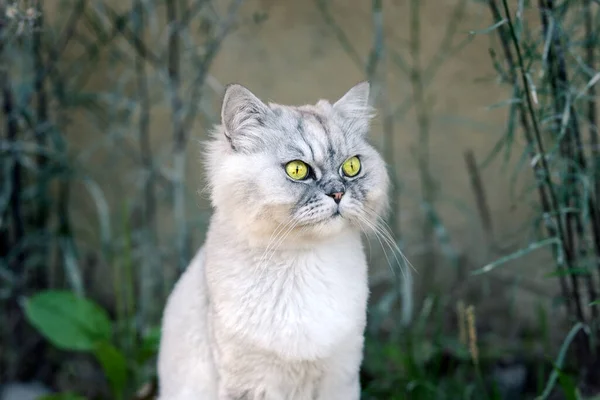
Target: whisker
[
  {"x": 380, "y": 227},
  {"x": 274, "y": 237},
  {"x": 375, "y": 229},
  {"x": 386, "y": 230}
]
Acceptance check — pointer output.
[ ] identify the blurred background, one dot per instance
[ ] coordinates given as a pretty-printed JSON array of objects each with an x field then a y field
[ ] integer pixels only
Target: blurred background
[{"x": 486, "y": 118}]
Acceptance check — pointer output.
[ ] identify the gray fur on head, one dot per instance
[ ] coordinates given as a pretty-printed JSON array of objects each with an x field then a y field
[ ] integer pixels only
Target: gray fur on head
[{"x": 247, "y": 155}]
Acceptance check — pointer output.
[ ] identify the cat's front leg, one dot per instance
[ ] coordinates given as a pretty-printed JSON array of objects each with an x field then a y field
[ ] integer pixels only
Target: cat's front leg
[
  {"x": 235, "y": 393},
  {"x": 340, "y": 388},
  {"x": 340, "y": 380},
  {"x": 227, "y": 393},
  {"x": 235, "y": 386}
]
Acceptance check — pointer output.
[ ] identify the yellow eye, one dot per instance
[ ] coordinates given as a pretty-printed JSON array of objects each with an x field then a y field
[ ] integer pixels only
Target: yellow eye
[
  {"x": 351, "y": 167},
  {"x": 297, "y": 170}
]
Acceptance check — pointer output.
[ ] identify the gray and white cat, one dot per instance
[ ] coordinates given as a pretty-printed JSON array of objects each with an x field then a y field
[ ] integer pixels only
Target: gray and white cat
[{"x": 273, "y": 306}]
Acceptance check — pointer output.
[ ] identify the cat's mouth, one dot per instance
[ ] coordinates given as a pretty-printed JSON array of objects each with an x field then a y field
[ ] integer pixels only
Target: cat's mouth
[{"x": 334, "y": 217}]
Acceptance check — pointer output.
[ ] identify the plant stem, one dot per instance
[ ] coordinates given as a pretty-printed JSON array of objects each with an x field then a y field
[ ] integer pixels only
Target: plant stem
[
  {"x": 591, "y": 43},
  {"x": 151, "y": 283},
  {"x": 480, "y": 197},
  {"x": 423, "y": 123},
  {"x": 203, "y": 65},
  {"x": 559, "y": 81},
  {"x": 15, "y": 178},
  {"x": 56, "y": 51},
  {"x": 173, "y": 55},
  {"x": 41, "y": 131}
]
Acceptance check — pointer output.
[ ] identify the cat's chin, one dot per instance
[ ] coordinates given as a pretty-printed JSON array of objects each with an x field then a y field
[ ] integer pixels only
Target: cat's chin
[{"x": 329, "y": 227}]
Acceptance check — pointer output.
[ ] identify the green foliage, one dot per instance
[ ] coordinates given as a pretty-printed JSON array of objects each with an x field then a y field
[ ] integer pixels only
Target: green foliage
[
  {"x": 62, "y": 396},
  {"x": 71, "y": 322},
  {"x": 68, "y": 321},
  {"x": 114, "y": 365}
]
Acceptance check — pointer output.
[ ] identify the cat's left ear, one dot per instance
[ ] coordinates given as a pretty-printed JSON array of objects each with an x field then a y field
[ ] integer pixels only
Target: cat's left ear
[
  {"x": 353, "y": 109},
  {"x": 242, "y": 115}
]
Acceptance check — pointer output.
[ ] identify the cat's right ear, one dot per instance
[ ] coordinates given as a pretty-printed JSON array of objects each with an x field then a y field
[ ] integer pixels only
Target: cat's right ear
[{"x": 241, "y": 114}]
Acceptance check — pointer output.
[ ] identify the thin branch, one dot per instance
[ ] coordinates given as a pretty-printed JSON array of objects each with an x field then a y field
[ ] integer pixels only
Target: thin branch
[
  {"x": 591, "y": 43},
  {"x": 16, "y": 180},
  {"x": 376, "y": 54},
  {"x": 346, "y": 43},
  {"x": 445, "y": 48},
  {"x": 42, "y": 114},
  {"x": 423, "y": 123},
  {"x": 191, "y": 13},
  {"x": 173, "y": 55},
  {"x": 149, "y": 278},
  {"x": 173, "y": 71},
  {"x": 120, "y": 22},
  {"x": 480, "y": 197},
  {"x": 203, "y": 66},
  {"x": 63, "y": 41},
  {"x": 144, "y": 124}
]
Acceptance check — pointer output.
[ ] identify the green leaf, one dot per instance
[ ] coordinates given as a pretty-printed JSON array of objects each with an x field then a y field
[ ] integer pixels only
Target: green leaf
[
  {"x": 516, "y": 255},
  {"x": 490, "y": 28},
  {"x": 62, "y": 396},
  {"x": 556, "y": 372},
  {"x": 149, "y": 346},
  {"x": 567, "y": 272},
  {"x": 568, "y": 386},
  {"x": 69, "y": 322},
  {"x": 114, "y": 364}
]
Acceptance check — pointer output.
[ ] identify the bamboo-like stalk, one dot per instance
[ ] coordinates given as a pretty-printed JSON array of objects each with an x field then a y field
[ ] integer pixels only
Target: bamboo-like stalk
[
  {"x": 151, "y": 287},
  {"x": 56, "y": 51},
  {"x": 11, "y": 129},
  {"x": 524, "y": 115},
  {"x": 119, "y": 23},
  {"x": 574, "y": 155},
  {"x": 16, "y": 234},
  {"x": 592, "y": 120},
  {"x": 480, "y": 196},
  {"x": 592, "y": 110},
  {"x": 179, "y": 159},
  {"x": 203, "y": 65},
  {"x": 41, "y": 131},
  {"x": 342, "y": 37},
  {"x": 423, "y": 157},
  {"x": 558, "y": 80}
]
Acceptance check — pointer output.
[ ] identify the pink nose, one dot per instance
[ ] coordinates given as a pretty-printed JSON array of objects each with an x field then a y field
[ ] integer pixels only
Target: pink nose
[{"x": 337, "y": 196}]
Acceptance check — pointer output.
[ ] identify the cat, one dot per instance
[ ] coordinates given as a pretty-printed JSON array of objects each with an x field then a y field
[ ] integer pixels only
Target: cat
[{"x": 273, "y": 305}]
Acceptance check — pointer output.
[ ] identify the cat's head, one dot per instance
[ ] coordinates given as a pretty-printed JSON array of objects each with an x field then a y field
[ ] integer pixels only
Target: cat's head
[{"x": 306, "y": 172}]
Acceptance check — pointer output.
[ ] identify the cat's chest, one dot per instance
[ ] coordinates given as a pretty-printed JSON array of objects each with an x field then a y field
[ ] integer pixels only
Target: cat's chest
[{"x": 299, "y": 303}]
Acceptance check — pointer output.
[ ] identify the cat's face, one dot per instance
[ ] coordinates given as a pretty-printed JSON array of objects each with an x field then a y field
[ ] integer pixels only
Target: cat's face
[{"x": 299, "y": 172}]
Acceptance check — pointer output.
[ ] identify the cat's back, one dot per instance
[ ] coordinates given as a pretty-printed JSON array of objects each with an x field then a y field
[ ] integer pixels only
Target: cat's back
[{"x": 185, "y": 354}]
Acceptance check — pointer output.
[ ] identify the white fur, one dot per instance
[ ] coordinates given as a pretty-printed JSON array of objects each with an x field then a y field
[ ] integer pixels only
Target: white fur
[{"x": 273, "y": 306}]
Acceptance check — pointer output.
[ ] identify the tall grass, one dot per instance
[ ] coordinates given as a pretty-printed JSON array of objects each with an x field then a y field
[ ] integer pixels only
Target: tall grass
[{"x": 550, "y": 65}]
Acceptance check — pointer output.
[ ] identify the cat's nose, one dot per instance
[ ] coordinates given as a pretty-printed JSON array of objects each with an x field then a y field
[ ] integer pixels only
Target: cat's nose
[{"x": 336, "y": 196}]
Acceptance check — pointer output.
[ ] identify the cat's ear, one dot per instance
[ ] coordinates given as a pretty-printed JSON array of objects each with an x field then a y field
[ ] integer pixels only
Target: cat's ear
[
  {"x": 353, "y": 109},
  {"x": 241, "y": 113}
]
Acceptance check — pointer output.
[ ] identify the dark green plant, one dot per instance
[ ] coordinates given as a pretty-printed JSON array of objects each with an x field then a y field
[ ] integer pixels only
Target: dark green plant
[
  {"x": 553, "y": 74},
  {"x": 74, "y": 323}
]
